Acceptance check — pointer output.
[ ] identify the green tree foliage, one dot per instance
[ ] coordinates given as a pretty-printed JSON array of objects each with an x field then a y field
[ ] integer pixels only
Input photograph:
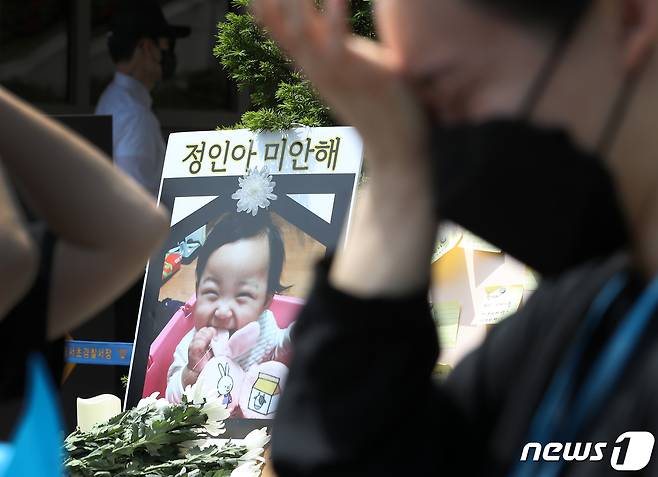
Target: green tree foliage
[{"x": 280, "y": 96}]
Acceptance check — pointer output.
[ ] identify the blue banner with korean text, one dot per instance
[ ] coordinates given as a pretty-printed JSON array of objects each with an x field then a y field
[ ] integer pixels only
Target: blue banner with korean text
[{"x": 98, "y": 352}]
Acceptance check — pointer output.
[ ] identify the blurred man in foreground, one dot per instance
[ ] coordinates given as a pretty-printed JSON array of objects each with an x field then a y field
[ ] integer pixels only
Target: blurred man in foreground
[{"x": 502, "y": 80}]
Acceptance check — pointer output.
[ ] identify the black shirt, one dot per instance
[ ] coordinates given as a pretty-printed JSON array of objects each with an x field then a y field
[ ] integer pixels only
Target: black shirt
[
  {"x": 24, "y": 331},
  {"x": 360, "y": 400}
]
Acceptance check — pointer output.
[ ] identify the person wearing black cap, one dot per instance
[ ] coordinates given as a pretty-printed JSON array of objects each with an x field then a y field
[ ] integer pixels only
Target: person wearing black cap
[
  {"x": 141, "y": 44},
  {"x": 568, "y": 385}
]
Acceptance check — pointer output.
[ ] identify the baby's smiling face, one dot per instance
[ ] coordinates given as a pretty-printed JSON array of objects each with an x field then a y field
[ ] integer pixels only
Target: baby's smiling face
[{"x": 232, "y": 291}]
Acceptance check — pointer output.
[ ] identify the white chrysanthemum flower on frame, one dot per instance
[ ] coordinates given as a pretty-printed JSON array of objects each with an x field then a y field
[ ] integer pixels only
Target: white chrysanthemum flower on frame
[{"x": 255, "y": 191}]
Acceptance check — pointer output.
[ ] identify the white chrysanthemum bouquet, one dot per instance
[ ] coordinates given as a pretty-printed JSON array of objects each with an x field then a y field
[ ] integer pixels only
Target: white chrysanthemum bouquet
[{"x": 159, "y": 439}]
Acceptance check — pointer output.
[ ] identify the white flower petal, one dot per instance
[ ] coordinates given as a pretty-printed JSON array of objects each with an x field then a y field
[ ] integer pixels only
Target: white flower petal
[
  {"x": 257, "y": 439},
  {"x": 189, "y": 393},
  {"x": 216, "y": 411},
  {"x": 254, "y": 454},
  {"x": 214, "y": 429},
  {"x": 162, "y": 404},
  {"x": 248, "y": 469},
  {"x": 200, "y": 394},
  {"x": 255, "y": 191},
  {"x": 147, "y": 401}
]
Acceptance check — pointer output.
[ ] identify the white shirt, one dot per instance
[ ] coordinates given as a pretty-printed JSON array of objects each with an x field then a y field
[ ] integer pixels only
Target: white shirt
[
  {"x": 273, "y": 344},
  {"x": 138, "y": 145}
]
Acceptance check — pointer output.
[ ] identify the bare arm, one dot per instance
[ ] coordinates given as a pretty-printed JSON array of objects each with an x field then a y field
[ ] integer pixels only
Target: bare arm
[
  {"x": 106, "y": 224},
  {"x": 394, "y": 226},
  {"x": 370, "y": 308}
]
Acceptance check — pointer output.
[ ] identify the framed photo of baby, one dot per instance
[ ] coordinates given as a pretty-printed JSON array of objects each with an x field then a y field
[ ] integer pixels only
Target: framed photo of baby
[{"x": 251, "y": 215}]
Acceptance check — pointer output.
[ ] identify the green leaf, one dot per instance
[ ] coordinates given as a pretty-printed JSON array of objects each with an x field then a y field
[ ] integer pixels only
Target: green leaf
[
  {"x": 280, "y": 96},
  {"x": 145, "y": 442}
]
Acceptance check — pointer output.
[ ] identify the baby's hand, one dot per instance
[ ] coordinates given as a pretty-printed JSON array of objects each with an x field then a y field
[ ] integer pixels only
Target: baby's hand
[{"x": 198, "y": 354}]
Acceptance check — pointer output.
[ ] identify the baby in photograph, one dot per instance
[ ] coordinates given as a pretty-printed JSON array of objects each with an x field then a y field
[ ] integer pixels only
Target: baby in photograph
[{"x": 238, "y": 272}]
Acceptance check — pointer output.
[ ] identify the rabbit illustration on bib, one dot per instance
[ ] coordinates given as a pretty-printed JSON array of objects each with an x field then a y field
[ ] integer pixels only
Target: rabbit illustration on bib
[{"x": 251, "y": 394}]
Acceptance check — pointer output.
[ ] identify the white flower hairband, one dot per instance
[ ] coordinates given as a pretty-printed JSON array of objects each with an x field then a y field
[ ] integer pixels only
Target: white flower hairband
[{"x": 255, "y": 191}]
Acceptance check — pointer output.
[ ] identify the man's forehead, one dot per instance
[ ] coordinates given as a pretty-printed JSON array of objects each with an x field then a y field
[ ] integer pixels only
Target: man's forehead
[
  {"x": 422, "y": 21},
  {"x": 434, "y": 33}
]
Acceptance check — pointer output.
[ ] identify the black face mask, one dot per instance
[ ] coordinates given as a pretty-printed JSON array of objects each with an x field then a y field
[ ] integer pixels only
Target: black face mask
[
  {"x": 531, "y": 190},
  {"x": 168, "y": 62}
]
